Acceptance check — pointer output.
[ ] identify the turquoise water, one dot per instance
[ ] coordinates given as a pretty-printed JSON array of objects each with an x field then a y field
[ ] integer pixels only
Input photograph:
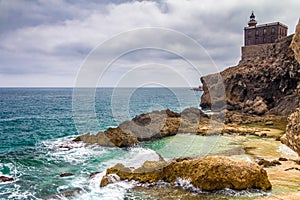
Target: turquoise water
[{"x": 35, "y": 122}]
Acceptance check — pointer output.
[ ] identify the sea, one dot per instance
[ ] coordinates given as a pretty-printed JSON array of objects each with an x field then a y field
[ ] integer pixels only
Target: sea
[{"x": 38, "y": 124}]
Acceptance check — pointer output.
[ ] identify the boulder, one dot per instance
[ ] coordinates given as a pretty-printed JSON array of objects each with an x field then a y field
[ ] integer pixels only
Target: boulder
[
  {"x": 112, "y": 137},
  {"x": 110, "y": 178},
  {"x": 208, "y": 173},
  {"x": 292, "y": 134}
]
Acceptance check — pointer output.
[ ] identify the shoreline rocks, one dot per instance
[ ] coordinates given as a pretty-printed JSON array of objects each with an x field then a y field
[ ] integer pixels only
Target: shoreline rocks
[
  {"x": 292, "y": 135},
  {"x": 208, "y": 173},
  {"x": 165, "y": 123}
]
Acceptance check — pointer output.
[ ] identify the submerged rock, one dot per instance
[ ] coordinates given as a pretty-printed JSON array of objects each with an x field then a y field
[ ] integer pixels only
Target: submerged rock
[
  {"x": 6, "y": 179},
  {"x": 209, "y": 173},
  {"x": 292, "y": 135},
  {"x": 66, "y": 174}
]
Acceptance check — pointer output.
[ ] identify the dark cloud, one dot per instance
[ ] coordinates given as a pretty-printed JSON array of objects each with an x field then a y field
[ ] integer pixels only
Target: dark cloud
[{"x": 52, "y": 38}]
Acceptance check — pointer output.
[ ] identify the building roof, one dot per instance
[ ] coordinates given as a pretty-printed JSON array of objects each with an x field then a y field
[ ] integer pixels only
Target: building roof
[{"x": 268, "y": 24}]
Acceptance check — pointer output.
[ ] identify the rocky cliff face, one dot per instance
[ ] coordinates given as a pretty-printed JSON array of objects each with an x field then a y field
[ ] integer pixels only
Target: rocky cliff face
[
  {"x": 259, "y": 84},
  {"x": 292, "y": 136}
]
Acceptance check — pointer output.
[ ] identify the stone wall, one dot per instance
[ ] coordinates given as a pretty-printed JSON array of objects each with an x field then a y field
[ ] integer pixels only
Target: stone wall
[
  {"x": 253, "y": 51},
  {"x": 262, "y": 51}
]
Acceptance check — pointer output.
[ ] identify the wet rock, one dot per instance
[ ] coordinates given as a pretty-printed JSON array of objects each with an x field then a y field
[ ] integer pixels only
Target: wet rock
[
  {"x": 282, "y": 159},
  {"x": 6, "y": 179},
  {"x": 266, "y": 163},
  {"x": 66, "y": 174},
  {"x": 93, "y": 174},
  {"x": 112, "y": 137},
  {"x": 292, "y": 168},
  {"x": 292, "y": 134},
  {"x": 209, "y": 173},
  {"x": 110, "y": 178}
]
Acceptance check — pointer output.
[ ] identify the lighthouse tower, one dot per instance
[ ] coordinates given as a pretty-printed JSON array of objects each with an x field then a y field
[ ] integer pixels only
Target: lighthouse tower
[{"x": 252, "y": 21}]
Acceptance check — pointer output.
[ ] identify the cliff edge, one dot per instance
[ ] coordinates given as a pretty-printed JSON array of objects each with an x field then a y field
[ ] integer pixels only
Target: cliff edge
[{"x": 264, "y": 82}]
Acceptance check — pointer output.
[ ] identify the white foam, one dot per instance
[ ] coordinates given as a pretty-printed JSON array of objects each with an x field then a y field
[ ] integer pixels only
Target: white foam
[
  {"x": 78, "y": 153},
  {"x": 286, "y": 151}
]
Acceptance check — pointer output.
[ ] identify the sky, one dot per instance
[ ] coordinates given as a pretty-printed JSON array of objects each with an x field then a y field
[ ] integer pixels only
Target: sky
[{"x": 64, "y": 43}]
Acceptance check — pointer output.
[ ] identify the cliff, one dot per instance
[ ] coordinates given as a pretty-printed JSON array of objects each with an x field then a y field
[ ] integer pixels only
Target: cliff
[
  {"x": 264, "y": 81},
  {"x": 291, "y": 137}
]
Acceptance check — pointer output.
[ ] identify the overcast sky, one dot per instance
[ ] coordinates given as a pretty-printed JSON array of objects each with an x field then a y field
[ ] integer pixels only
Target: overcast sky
[{"x": 48, "y": 43}]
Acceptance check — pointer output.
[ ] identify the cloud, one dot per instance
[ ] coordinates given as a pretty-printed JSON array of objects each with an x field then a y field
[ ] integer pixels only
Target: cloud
[{"x": 52, "y": 38}]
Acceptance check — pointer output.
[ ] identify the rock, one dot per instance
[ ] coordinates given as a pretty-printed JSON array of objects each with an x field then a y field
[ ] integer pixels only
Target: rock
[
  {"x": 209, "y": 173},
  {"x": 258, "y": 106},
  {"x": 295, "y": 44},
  {"x": 6, "y": 179},
  {"x": 120, "y": 138},
  {"x": 269, "y": 123},
  {"x": 292, "y": 134},
  {"x": 66, "y": 174},
  {"x": 292, "y": 168},
  {"x": 111, "y": 137},
  {"x": 273, "y": 79},
  {"x": 110, "y": 178},
  {"x": 266, "y": 163},
  {"x": 93, "y": 174},
  {"x": 282, "y": 159}
]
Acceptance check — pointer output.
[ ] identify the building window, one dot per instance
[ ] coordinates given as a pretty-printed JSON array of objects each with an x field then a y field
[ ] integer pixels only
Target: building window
[
  {"x": 256, "y": 41},
  {"x": 265, "y": 40},
  {"x": 265, "y": 31},
  {"x": 256, "y": 32},
  {"x": 272, "y": 39},
  {"x": 249, "y": 42},
  {"x": 273, "y": 30},
  {"x": 249, "y": 33}
]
